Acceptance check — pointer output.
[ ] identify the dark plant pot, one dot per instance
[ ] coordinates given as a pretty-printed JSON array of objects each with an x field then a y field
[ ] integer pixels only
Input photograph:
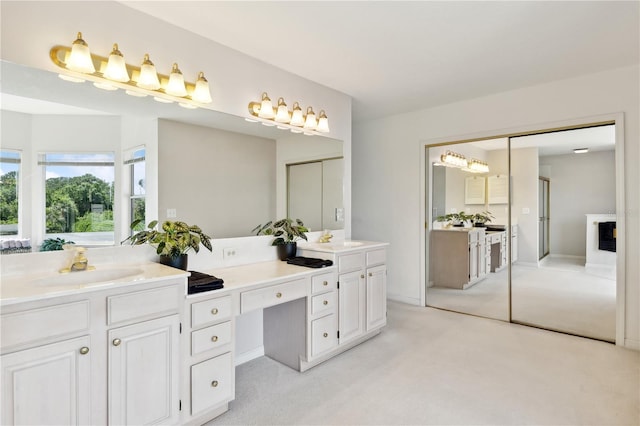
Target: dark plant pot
[
  {"x": 480, "y": 225},
  {"x": 179, "y": 262},
  {"x": 458, "y": 225},
  {"x": 287, "y": 250}
]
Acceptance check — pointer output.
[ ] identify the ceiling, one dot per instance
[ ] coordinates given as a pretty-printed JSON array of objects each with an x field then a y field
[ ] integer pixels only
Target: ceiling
[{"x": 395, "y": 56}]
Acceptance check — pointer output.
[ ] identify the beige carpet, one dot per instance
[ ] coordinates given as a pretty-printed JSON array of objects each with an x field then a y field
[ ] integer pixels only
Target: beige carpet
[
  {"x": 559, "y": 295},
  {"x": 433, "y": 367}
]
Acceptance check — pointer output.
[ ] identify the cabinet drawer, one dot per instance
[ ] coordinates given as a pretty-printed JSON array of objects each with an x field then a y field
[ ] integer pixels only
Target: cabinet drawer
[
  {"x": 144, "y": 304},
  {"x": 324, "y": 334},
  {"x": 324, "y": 282},
  {"x": 349, "y": 262},
  {"x": 323, "y": 303},
  {"x": 210, "y": 311},
  {"x": 210, "y": 337},
  {"x": 211, "y": 383},
  {"x": 272, "y": 295},
  {"x": 376, "y": 257},
  {"x": 47, "y": 323}
]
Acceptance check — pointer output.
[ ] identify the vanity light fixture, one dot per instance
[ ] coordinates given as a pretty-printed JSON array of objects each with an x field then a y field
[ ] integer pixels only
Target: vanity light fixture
[
  {"x": 113, "y": 73},
  {"x": 581, "y": 150},
  {"x": 477, "y": 166},
  {"x": 263, "y": 112},
  {"x": 453, "y": 159}
]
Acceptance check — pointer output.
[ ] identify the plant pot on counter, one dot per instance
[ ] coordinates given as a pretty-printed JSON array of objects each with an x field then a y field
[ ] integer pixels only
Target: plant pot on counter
[
  {"x": 287, "y": 250},
  {"x": 179, "y": 261}
]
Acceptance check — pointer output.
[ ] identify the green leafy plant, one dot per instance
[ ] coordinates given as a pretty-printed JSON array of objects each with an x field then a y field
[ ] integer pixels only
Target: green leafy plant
[
  {"x": 481, "y": 218},
  {"x": 284, "y": 231},
  {"x": 54, "y": 244},
  {"x": 174, "y": 238},
  {"x": 454, "y": 217}
]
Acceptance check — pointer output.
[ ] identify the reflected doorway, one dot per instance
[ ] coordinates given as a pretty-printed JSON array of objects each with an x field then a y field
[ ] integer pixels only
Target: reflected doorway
[{"x": 543, "y": 224}]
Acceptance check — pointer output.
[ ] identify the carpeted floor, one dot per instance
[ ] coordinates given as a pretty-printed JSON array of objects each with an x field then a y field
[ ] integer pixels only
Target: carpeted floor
[
  {"x": 559, "y": 295},
  {"x": 433, "y": 367}
]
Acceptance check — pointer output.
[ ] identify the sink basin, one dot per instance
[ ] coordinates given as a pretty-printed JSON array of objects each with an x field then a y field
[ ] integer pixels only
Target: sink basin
[{"x": 92, "y": 277}]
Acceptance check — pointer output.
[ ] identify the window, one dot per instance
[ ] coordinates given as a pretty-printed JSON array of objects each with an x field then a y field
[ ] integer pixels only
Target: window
[
  {"x": 9, "y": 195},
  {"x": 136, "y": 161},
  {"x": 79, "y": 193}
]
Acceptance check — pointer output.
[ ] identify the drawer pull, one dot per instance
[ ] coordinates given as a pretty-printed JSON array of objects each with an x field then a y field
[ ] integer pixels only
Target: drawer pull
[
  {"x": 116, "y": 342},
  {"x": 214, "y": 384},
  {"x": 214, "y": 311},
  {"x": 214, "y": 338},
  {"x": 325, "y": 283},
  {"x": 325, "y": 335},
  {"x": 326, "y": 302},
  {"x": 84, "y": 350},
  {"x": 278, "y": 295}
]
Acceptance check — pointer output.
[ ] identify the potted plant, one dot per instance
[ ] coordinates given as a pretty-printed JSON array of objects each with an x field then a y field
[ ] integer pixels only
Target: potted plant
[
  {"x": 456, "y": 219},
  {"x": 480, "y": 219},
  {"x": 285, "y": 234},
  {"x": 172, "y": 242},
  {"x": 54, "y": 244}
]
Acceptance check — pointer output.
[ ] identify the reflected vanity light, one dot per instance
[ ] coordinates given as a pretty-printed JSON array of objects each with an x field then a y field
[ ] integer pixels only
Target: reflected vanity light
[
  {"x": 453, "y": 159},
  {"x": 581, "y": 150},
  {"x": 113, "y": 73},
  {"x": 265, "y": 113}
]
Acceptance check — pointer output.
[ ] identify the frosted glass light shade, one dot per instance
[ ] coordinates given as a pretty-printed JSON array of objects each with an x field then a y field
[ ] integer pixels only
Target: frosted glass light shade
[
  {"x": 282, "y": 115},
  {"x": 80, "y": 58},
  {"x": 201, "y": 93},
  {"x": 176, "y": 83},
  {"x": 297, "y": 119},
  {"x": 116, "y": 67},
  {"x": 148, "y": 76},
  {"x": 310, "y": 122},
  {"x": 323, "y": 122},
  {"x": 266, "y": 109}
]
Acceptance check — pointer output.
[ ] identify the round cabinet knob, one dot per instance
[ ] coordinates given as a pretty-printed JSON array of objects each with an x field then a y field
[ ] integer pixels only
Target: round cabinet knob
[
  {"x": 116, "y": 342},
  {"x": 278, "y": 295},
  {"x": 325, "y": 302},
  {"x": 325, "y": 335},
  {"x": 84, "y": 350},
  {"x": 214, "y": 311},
  {"x": 362, "y": 276},
  {"x": 214, "y": 339},
  {"x": 370, "y": 274},
  {"x": 214, "y": 384},
  {"x": 325, "y": 283}
]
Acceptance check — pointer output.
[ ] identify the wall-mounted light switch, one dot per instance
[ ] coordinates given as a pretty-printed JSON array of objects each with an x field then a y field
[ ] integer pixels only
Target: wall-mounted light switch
[
  {"x": 171, "y": 213},
  {"x": 526, "y": 210}
]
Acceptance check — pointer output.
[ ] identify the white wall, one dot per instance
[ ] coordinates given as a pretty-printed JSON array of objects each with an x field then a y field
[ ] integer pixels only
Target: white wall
[
  {"x": 387, "y": 198},
  {"x": 222, "y": 181},
  {"x": 579, "y": 185}
]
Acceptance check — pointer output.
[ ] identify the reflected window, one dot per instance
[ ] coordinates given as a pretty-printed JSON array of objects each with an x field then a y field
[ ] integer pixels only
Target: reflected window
[
  {"x": 9, "y": 192},
  {"x": 137, "y": 205},
  {"x": 79, "y": 197}
]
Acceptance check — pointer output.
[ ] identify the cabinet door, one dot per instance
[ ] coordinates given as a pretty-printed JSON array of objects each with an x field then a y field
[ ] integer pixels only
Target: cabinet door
[
  {"x": 143, "y": 373},
  {"x": 351, "y": 300},
  {"x": 48, "y": 385},
  {"x": 376, "y": 297},
  {"x": 473, "y": 261}
]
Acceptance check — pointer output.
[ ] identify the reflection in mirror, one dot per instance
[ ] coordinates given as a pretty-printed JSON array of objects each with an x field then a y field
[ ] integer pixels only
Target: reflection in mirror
[
  {"x": 468, "y": 261},
  {"x": 203, "y": 166},
  {"x": 567, "y": 282}
]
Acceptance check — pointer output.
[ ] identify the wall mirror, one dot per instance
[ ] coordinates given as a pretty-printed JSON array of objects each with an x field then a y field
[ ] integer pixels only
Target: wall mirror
[
  {"x": 213, "y": 169},
  {"x": 555, "y": 267}
]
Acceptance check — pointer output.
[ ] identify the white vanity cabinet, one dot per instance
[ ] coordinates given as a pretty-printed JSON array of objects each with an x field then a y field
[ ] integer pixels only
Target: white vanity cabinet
[
  {"x": 514, "y": 243},
  {"x": 208, "y": 373},
  {"x": 98, "y": 357}
]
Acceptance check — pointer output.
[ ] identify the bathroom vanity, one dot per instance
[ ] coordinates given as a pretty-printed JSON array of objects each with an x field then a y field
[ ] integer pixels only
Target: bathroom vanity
[{"x": 127, "y": 345}]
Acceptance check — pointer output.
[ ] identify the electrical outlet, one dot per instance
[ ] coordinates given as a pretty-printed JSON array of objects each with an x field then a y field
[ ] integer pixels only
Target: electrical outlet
[
  {"x": 526, "y": 210},
  {"x": 229, "y": 253},
  {"x": 171, "y": 213}
]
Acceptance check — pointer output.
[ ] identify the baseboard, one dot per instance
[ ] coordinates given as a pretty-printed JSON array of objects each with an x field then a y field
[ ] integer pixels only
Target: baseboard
[
  {"x": 632, "y": 344},
  {"x": 404, "y": 299},
  {"x": 249, "y": 355}
]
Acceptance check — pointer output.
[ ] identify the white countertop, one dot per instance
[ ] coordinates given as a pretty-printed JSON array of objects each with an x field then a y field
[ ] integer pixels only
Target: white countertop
[
  {"x": 340, "y": 246},
  {"x": 26, "y": 287}
]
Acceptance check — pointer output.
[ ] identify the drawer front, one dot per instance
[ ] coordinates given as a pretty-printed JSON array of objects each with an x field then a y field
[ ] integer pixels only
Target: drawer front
[
  {"x": 350, "y": 262},
  {"x": 376, "y": 257},
  {"x": 210, "y": 311},
  {"x": 323, "y": 303},
  {"x": 144, "y": 304},
  {"x": 495, "y": 238},
  {"x": 56, "y": 321},
  {"x": 211, "y": 383},
  {"x": 210, "y": 337},
  {"x": 324, "y": 334},
  {"x": 324, "y": 282},
  {"x": 273, "y": 295}
]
